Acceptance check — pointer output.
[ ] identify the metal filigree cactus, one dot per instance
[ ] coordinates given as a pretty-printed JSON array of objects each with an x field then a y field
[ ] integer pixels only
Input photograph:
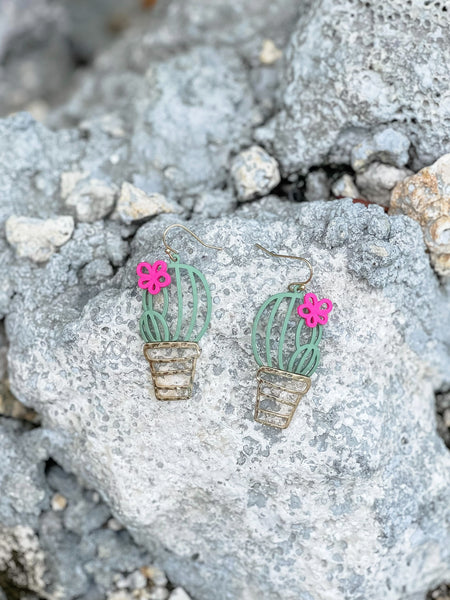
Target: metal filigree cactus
[
  {"x": 177, "y": 308},
  {"x": 286, "y": 334}
]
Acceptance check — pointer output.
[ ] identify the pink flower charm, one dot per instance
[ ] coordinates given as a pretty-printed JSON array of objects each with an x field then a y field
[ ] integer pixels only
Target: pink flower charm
[
  {"x": 311, "y": 310},
  {"x": 153, "y": 277}
]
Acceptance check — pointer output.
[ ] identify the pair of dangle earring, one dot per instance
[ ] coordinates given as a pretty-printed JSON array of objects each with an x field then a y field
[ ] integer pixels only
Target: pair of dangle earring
[
  {"x": 170, "y": 332},
  {"x": 286, "y": 334}
]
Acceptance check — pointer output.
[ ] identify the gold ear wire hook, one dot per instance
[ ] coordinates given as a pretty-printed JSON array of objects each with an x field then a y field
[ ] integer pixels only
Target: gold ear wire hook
[
  {"x": 172, "y": 252},
  {"x": 296, "y": 284}
]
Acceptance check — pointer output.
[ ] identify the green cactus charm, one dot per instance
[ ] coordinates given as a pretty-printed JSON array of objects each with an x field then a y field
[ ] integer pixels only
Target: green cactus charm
[
  {"x": 174, "y": 321},
  {"x": 286, "y": 334}
]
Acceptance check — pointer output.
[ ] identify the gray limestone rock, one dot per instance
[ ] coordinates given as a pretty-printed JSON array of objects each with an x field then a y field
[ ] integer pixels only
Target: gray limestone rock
[
  {"x": 24, "y": 491},
  {"x": 37, "y": 239},
  {"x": 255, "y": 173},
  {"x": 135, "y": 205},
  {"x": 353, "y": 66},
  {"x": 378, "y": 180},
  {"x": 352, "y": 494},
  {"x": 182, "y": 117},
  {"x": 386, "y": 145},
  {"x": 317, "y": 186},
  {"x": 92, "y": 199},
  {"x": 35, "y": 56}
]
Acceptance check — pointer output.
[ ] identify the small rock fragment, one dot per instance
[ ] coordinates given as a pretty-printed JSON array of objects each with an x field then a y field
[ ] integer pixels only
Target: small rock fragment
[
  {"x": 255, "y": 173},
  {"x": 11, "y": 407},
  {"x": 345, "y": 187},
  {"x": 387, "y": 146},
  {"x": 179, "y": 594},
  {"x": 59, "y": 502},
  {"x": 155, "y": 575},
  {"x": 120, "y": 595},
  {"x": 92, "y": 199},
  {"x": 135, "y": 205},
  {"x": 317, "y": 186},
  {"x": 114, "y": 524},
  {"x": 159, "y": 593},
  {"x": 378, "y": 180},
  {"x": 269, "y": 53},
  {"x": 69, "y": 180},
  {"x": 96, "y": 271},
  {"x": 425, "y": 197},
  {"x": 37, "y": 239}
]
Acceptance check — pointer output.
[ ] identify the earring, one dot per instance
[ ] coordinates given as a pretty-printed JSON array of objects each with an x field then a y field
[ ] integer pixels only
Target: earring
[
  {"x": 285, "y": 341},
  {"x": 170, "y": 332}
]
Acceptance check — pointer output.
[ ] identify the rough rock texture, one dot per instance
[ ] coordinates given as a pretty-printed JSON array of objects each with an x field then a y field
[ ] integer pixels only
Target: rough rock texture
[
  {"x": 378, "y": 180},
  {"x": 355, "y": 65},
  {"x": 345, "y": 187},
  {"x": 35, "y": 58},
  {"x": 255, "y": 173},
  {"x": 353, "y": 494},
  {"x": 135, "y": 205},
  {"x": 351, "y": 501},
  {"x": 57, "y": 539},
  {"x": 426, "y": 198},
  {"x": 38, "y": 239}
]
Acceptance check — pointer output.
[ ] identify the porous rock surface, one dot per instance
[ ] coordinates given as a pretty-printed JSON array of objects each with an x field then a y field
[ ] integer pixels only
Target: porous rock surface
[
  {"x": 351, "y": 500},
  {"x": 352, "y": 495},
  {"x": 356, "y": 65},
  {"x": 57, "y": 539}
]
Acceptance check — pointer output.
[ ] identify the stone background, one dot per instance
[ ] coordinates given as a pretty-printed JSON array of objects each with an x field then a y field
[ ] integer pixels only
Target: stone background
[{"x": 250, "y": 122}]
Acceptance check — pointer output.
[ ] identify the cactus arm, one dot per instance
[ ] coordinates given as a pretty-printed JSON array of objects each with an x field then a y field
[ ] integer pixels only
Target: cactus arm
[
  {"x": 314, "y": 360},
  {"x": 283, "y": 332},
  {"x": 153, "y": 334},
  {"x": 175, "y": 266},
  {"x": 308, "y": 352},
  {"x": 148, "y": 323}
]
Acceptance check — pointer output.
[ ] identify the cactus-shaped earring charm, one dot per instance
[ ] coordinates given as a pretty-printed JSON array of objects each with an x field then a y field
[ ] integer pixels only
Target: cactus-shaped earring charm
[
  {"x": 177, "y": 308},
  {"x": 285, "y": 340}
]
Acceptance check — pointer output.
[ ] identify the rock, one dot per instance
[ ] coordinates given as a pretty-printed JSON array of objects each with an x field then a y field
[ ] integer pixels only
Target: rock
[
  {"x": 354, "y": 67},
  {"x": 269, "y": 53},
  {"x": 255, "y": 173},
  {"x": 387, "y": 146},
  {"x": 35, "y": 57},
  {"x": 11, "y": 407},
  {"x": 24, "y": 490},
  {"x": 182, "y": 116},
  {"x": 378, "y": 180},
  {"x": 135, "y": 205},
  {"x": 92, "y": 199},
  {"x": 179, "y": 594},
  {"x": 98, "y": 270},
  {"x": 59, "y": 502},
  {"x": 214, "y": 203},
  {"x": 38, "y": 239},
  {"x": 21, "y": 560},
  {"x": 155, "y": 575},
  {"x": 388, "y": 335},
  {"x": 114, "y": 524},
  {"x": 345, "y": 187},
  {"x": 317, "y": 186},
  {"x": 425, "y": 197},
  {"x": 69, "y": 181}
]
